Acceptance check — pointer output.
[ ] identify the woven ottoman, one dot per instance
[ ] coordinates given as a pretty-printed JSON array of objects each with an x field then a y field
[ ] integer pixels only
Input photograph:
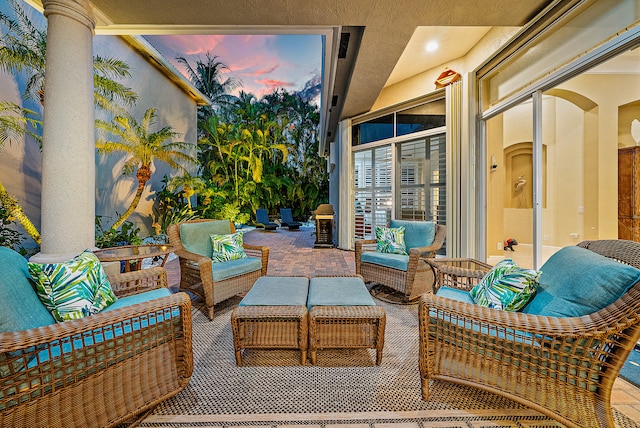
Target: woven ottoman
[
  {"x": 342, "y": 314},
  {"x": 273, "y": 315}
]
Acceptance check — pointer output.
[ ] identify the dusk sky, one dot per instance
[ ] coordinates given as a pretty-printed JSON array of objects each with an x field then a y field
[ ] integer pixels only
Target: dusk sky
[{"x": 262, "y": 62}]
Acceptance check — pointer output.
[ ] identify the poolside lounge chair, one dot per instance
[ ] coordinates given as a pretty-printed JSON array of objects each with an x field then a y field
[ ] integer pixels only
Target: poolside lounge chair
[
  {"x": 262, "y": 220},
  {"x": 287, "y": 219}
]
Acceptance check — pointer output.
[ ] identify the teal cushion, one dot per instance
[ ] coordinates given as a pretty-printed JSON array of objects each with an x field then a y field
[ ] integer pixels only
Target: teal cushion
[
  {"x": 506, "y": 286},
  {"x": 73, "y": 289},
  {"x": 576, "y": 281},
  {"x": 393, "y": 261},
  {"x": 224, "y": 270},
  {"x": 227, "y": 247},
  {"x": 20, "y": 307},
  {"x": 338, "y": 291},
  {"x": 196, "y": 237},
  {"x": 390, "y": 240},
  {"x": 455, "y": 294},
  {"x": 139, "y": 298},
  {"x": 277, "y": 291},
  {"x": 416, "y": 233}
]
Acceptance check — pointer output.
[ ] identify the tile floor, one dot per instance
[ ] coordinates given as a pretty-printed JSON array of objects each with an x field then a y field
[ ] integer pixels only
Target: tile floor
[{"x": 292, "y": 254}]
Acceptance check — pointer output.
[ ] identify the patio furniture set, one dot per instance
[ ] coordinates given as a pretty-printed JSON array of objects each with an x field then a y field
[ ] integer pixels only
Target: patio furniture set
[{"x": 559, "y": 355}]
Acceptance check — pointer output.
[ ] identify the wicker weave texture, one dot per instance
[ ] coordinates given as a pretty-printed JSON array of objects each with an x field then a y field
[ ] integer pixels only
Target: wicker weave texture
[
  {"x": 270, "y": 327},
  {"x": 346, "y": 327},
  {"x": 113, "y": 365},
  {"x": 196, "y": 275},
  {"x": 562, "y": 367},
  {"x": 413, "y": 282}
]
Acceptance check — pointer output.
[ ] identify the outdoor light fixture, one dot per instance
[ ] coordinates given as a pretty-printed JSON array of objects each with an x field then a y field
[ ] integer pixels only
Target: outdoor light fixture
[{"x": 447, "y": 77}]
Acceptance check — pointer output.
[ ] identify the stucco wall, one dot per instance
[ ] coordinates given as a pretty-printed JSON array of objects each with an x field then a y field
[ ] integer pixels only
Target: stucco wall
[
  {"x": 21, "y": 161},
  {"x": 113, "y": 191}
]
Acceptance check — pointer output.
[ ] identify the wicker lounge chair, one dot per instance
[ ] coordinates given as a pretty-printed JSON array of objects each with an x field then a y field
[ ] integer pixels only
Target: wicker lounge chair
[
  {"x": 413, "y": 280},
  {"x": 262, "y": 220},
  {"x": 97, "y": 371},
  {"x": 197, "y": 269},
  {"x": 287, "y": 219},
  {"x": 562, "y": 366}
]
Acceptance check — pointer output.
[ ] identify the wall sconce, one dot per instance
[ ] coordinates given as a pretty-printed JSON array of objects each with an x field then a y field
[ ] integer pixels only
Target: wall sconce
[
  {"x": 494, "y": 165},
  {"x": 447, "y": 77}
]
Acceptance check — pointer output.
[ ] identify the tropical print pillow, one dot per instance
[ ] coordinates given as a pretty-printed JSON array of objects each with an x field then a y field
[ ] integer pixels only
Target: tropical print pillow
[
  {"x": 506, "y": 286},
  {"x": 73, "y": 289},
  {"x": 227, "y": 247},
  {"x": 390, "y": 240}
]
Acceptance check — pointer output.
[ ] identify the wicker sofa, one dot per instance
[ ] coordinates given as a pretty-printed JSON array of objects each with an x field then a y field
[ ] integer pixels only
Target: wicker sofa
[
  {"x": 407, "y": 274},
  {"x": 95, "y": 371},
  {"x": 213, "y": 282},
  {"x": 561, "y": 354}
]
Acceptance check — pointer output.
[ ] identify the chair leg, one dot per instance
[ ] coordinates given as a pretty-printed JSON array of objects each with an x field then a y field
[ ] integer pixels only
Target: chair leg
[
  {"x": 210, "y": 313},
  {"x": 425, "y": 388}
]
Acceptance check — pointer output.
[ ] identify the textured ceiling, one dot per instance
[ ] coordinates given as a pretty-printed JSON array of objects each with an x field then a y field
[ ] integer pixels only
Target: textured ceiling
[{"x": 388, "y": 25}]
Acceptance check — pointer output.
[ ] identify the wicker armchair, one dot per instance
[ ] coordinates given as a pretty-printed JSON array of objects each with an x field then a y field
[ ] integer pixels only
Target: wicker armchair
[
  {"x": 196, "y": 273},
  {"x": 563, "y": 367},
  {"x": 415, "y": 280},
  {"x": 102, "y": 370}
]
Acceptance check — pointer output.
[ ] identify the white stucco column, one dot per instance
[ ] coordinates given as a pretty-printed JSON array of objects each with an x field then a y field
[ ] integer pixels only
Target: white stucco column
[{"x": 68, "y": 141}]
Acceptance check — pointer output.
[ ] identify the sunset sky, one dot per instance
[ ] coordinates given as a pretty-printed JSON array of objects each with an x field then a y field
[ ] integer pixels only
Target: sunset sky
[{"x": 262, "y": 62}]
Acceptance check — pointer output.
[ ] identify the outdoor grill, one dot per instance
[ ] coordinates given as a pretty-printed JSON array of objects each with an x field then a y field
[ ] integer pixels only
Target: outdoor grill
[{"x": 323, "y": 216}]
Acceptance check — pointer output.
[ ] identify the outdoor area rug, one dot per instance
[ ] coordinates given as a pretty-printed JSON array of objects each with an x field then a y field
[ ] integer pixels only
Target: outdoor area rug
[{"x": 345, "y": 388}]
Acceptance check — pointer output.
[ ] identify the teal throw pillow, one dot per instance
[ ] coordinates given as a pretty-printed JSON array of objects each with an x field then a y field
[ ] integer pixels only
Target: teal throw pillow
[
  {"x": 506, "y": 286},
  {"x": 73, "y": 289},
  {"x": 227, "y": 247},
  {"x": 390, "y": 240}
]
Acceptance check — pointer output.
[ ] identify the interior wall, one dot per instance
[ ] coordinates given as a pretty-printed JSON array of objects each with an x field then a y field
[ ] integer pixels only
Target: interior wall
[{"x": 608, "y": 91}]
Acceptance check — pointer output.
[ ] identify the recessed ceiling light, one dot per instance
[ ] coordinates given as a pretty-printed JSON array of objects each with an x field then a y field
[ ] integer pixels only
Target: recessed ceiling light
[{"x": 431, "y": 46}]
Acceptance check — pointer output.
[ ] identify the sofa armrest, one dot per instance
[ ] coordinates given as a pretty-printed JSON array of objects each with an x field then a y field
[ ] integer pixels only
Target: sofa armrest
[
  {"x": 428, "y": 251},
  {"x": 128, "y": 283},
  {"x": 583, "y": 343},
  {"x": 54, "y": 362},
  {"x": 362, "y": 245},
  {"x": 260, "y": 253}
]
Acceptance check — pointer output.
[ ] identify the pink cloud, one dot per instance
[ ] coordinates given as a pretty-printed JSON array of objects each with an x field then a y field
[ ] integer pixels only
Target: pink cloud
[{"x": 260, "y": 72}]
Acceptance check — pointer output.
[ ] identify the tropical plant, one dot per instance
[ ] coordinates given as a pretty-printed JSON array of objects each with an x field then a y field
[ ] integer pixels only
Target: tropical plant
[
  {"x": 206, "y": 76},
  {"x": 16, "y": 122},
  {"x": 170, "y": 208},
  {"x": 23, "y": 48},
  {"x": 8, "y": 237},
  {"x": 143, "y": 148},
  {"x": 188, "y": 184},
  {"x": 128, "y": 234}
]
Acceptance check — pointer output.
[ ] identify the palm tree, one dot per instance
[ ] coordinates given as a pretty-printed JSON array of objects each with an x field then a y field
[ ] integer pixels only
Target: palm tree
[
  {"x": 23, "y": 49},
  {"x": 143, "y": 147},
  {"x": 191, "y": 185},
  {"x": 14, "y": 122},
  {"x": 207, "y": 78}
]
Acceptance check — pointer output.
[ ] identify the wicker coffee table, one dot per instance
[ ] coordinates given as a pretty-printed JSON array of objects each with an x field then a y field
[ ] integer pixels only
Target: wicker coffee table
[
  {"x": 273, "y": 315},
  {"x": 342, "y": 314}
]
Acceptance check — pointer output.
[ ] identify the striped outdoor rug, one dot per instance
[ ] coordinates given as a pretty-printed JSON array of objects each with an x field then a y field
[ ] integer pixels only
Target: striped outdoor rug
[{"x": 346, "y": 388}]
